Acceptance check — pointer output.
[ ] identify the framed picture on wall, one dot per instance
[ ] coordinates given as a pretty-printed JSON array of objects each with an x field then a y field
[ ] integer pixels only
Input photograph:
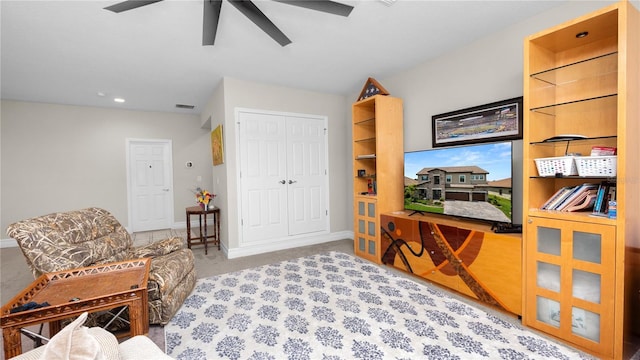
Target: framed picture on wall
[
  {"x": 217, "y": 148},
  {"x": 500, "y": 120}
]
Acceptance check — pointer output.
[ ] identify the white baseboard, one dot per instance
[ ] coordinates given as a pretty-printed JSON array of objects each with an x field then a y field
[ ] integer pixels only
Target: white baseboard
[{"x": 286, "y": 243}]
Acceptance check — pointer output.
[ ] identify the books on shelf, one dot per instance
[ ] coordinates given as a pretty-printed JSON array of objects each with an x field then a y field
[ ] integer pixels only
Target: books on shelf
[
  {"x": 603, "y": 150},
  {"x": 577, "y": 192},
  {"x": 606, "y": 193},
  {"x": 584, "y": 201},
  {"x": 572, "y": 198},
  {"x": 556, "y": 198}
]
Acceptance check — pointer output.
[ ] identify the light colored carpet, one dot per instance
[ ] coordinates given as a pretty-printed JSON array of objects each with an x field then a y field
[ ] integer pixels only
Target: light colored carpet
[{"x": 336, "y": 306}]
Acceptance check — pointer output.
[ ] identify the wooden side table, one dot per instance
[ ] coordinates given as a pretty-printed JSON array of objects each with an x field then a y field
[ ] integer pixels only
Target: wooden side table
[
  {"x": 72, "y": 292},
  {"x": 204, "y": 238}
]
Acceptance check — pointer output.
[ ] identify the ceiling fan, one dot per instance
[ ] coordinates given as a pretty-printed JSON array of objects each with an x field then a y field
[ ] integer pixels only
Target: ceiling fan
[{"x": 249, "y": 9}]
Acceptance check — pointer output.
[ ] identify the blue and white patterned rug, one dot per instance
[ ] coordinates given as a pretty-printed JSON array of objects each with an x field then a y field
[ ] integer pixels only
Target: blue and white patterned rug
[{"x": 336, "y": 306}]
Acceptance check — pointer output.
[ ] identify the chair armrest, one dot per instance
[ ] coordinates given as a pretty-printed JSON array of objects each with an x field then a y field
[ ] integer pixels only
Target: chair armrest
[{"x": 158, "y": 248}]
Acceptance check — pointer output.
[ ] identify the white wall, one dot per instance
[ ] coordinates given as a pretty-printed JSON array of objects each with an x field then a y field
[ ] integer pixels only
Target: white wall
[
  {"x": 485, "y": 71},
  {"x": 214, "y": 110},
  {"x": 247, "y": 94},
  {"x": 61, "y": 157}
]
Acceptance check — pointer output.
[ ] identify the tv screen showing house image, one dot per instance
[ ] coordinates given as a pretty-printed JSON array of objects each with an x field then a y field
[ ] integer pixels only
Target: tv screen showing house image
[{"x": 471, "y": 181}]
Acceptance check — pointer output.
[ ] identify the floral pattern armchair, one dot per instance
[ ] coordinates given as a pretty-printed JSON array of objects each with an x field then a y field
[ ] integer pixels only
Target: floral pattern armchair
[{"x": 93, "y": 236}]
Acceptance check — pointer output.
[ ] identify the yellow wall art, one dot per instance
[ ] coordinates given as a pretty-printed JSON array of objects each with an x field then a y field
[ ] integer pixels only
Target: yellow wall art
[{"x": 217, "y": 149}]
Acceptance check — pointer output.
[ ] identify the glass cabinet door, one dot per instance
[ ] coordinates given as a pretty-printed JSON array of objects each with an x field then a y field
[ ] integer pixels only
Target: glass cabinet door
[
  {"x": 570, "y": 284},
  {"x": 366, "y": 228}
]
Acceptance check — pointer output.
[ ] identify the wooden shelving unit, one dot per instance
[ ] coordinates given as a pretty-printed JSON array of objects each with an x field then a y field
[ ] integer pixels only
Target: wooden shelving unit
[
  {"x": 580, "y": 271},
  {"x": 378, "y": 163}
]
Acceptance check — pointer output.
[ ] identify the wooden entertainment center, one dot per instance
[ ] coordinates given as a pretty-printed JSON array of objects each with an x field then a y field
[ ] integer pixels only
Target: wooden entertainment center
[
  {"x": 572, "y": 275},
  {"x": 465, "y": 256}
]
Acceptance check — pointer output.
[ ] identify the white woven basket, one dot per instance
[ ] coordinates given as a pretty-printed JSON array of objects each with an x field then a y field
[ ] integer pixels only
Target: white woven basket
[
  {"x": 564, "y": 165},
  {"x": 597, "y": 165}
]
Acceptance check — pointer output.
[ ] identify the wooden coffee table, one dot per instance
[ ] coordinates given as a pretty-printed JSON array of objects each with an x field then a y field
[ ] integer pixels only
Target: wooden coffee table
[{"x": 97, "y": 288}]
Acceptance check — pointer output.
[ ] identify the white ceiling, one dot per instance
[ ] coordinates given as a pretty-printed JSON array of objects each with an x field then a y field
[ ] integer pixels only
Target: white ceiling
[{"x": 68, "y": 51}]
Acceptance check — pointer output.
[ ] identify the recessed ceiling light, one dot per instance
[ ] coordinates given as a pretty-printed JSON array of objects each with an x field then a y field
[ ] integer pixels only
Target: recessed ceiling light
[
  {"x": 100, "y": 93},
  {"x": 118, "y": 100}
]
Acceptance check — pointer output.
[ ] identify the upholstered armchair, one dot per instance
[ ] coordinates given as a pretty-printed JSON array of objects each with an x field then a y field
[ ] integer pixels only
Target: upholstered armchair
[{"x": 69, "y": 240}]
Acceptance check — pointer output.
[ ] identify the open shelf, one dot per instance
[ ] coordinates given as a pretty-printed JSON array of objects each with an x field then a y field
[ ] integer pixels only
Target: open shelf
[
  {"x": 580, "y": 216},
  {"x": 369, "y": 139},
  {"x": 598, "y": 66},
  {"x": 576, "y": 105},
  {"x": 589, "y": 140},
  {"x": 366, "y": 122}
]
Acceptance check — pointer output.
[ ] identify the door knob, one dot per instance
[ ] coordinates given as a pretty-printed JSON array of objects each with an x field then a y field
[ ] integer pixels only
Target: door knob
[
  {"x": 165, "y": 189},
  {"x": 282, "y": 182},
  {"x": 292, "y": 181}
]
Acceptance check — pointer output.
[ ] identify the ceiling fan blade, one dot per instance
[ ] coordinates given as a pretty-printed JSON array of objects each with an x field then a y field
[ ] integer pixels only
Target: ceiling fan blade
[
  {"x": 129, "y": 4},
  {"x": 251, "y": 11},
  {"x": 210, "y": 21},
  {"x": 327, "y": 6}
]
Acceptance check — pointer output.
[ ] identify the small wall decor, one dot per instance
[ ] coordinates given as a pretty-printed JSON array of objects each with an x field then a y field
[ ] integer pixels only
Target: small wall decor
[
  {"x": 217, "y": 148},
  {"x": 372, "y": 87},
  {"x": 500, "y": 120}
]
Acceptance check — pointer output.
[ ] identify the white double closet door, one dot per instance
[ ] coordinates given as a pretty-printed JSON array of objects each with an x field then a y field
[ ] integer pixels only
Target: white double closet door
[{"x": 283, "y": 175}]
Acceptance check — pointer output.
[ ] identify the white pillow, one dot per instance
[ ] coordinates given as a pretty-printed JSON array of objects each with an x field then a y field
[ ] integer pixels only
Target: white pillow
[{"x": 73, "y": 342}]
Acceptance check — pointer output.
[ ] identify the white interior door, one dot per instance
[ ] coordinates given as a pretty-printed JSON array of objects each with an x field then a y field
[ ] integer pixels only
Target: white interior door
[
  {"x": 306, "y": 171},
  {"x": 263, "y": 175},
  {"x": 282, "y": 175},
  {"x": 150, "y": 184}
]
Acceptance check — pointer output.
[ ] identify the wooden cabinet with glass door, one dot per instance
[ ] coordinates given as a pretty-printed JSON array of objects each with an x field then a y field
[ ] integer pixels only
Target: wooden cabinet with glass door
[
  {"x": 581, "y": 84},
  {"x": 378, "y": 163},
  {"x": 571, "y": 286}
]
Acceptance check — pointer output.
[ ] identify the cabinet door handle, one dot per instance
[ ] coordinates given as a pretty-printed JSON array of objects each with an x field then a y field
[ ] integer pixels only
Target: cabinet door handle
[
  {"x": 529, "y": 221},
  {"x": 282, "y": 182},
  {"x": 292, "y": 181}
]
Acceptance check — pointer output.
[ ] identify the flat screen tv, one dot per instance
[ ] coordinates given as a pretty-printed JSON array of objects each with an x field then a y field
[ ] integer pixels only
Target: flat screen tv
[{"x": 470, "y": 181}]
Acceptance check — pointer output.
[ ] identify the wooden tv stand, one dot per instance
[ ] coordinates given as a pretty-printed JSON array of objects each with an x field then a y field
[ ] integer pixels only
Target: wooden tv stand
[{"x": 466, "y": 256}]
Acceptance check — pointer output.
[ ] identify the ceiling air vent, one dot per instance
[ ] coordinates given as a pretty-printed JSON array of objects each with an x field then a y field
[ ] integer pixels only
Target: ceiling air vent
[{"x": 185, "y": 106}]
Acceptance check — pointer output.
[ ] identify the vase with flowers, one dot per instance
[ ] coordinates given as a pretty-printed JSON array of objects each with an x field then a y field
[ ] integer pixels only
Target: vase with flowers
[{"x": 204, "y": 198}]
